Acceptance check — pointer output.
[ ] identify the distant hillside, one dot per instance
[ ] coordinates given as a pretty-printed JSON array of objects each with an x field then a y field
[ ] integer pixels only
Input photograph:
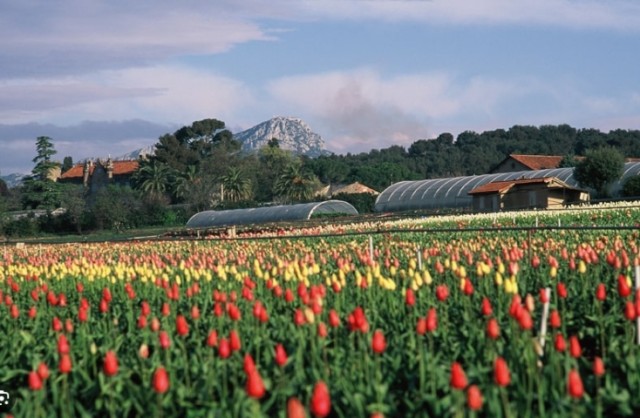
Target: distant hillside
[
  {"x": 134, "y": 155},
  {"x": 292, "y": 133},
  {"x": 14, "y": 179}
]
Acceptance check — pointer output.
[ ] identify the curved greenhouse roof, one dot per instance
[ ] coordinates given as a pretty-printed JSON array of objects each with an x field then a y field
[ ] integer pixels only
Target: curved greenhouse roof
[
  {"x": 303, "y": 211},
  {"x": 453, "y": 192}
]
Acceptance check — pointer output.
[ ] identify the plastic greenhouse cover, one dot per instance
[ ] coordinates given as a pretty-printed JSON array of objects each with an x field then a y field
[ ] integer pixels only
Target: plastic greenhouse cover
[
  {"x": 453, "y": 192},
  {"x": 267, "y": 214}
]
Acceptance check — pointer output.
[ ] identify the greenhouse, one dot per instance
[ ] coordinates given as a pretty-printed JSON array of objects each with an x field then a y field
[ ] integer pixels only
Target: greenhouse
[
  {"x": 454, "y": 192},
  {"x": 303, "y": 211}
]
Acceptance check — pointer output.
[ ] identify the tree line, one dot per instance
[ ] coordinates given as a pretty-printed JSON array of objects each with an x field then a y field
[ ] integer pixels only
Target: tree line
[{"x": 201, "y": 166}]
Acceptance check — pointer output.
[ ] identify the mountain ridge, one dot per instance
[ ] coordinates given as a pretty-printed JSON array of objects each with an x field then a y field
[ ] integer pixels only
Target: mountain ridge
[{"x": 292, "y": 134}]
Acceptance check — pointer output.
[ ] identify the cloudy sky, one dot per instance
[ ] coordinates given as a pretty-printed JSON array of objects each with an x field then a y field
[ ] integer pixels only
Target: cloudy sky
[{"x": 109, "y": 76}]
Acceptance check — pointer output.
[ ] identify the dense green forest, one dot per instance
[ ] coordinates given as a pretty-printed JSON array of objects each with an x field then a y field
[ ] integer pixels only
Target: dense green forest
[
  {"x": 468, "y": 154},
  {"x": 201, "y": 166}
]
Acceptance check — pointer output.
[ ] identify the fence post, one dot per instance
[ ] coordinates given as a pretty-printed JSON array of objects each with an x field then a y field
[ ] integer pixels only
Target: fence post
[
  {"x": 545, "y": 315},
  {"x": 371, "y": 247}
]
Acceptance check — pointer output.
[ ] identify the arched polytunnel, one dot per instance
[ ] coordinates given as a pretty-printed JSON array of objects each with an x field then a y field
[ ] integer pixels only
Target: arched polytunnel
[
  {"x": 302, "y": 211},
  {"x": 453, "y": 192}
]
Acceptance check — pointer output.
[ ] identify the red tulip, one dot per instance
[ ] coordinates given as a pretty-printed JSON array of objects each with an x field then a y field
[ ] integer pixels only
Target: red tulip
[
  {"x": 212, "y": 338},
  {"x": 160, "y": 380},
  {"x": 35, "y": 382},
  {"x": 234, "y": 340},
  {"x": 63, "y": 344},
  {"x": 255, "y": 386},
  {"x": 442, "y": 292},
  {"x": 623, "y": 288},
  {"x": 486, "y": 307},
  {"x": 165, "y": 341},
  {"x": 106, "y": 294},
  {"x": 598, "y": 366},
  {"x": 56, "y": 324},
  {"x": 195, "y": 312},
  {"x": 543, "y": 296},
  {"x": 33, "y": 311},
  {"x": 421, "y": 326},
  {"x": 83, "y": 315},
  {"x": 493, "y": 328},
  {"x": 559, "y": 343},
  {"x": 110, "y": 366},
  {"x": 248, "y": 365},
  {"x": 378, "y": 342},
  {"x": 43, "y": 371},
  {"x": 142, "y": 322},
  {"x": 103, "y": 307},
  {"x": 562, "y": 290},
  {"x": 575, "y": 389},
  {"x": 468, "y": 287},
  {"x": 295, "y": 409},
  {"x": 320, "y": 404},
  {"x": 288, "y": 296},
  {"x": 601, "y": 292},
  {"x": 474, "y": 398},
  {"x": 15, "y": 312},
  {"x": 432, "y": 320},
  {"x": 145, "y": 309},
  {"x": 334, "y": 319},
  {"x": 524, "y": 319},
  {"x": 630, "y": 311},
  {"x": 182, "y": 327},
  {"x": 501, "y": 374},
  {"x": 410, "y": 297},
  {"x": 166, "y": 309},
  {"x": 554, "y": 319},
  {"x": 64, "y": 366},
  {"x": 155, "y": 324},
  {"x": 322, "y": 330},
  {"x": 357, "y": 320},
  {"x": 281, "y": 355},
  {"x": 458, "y": 378},
  {"x": 298, "y": 317},
  {"x": 574, "y": 347},
  {"x": 224, "y": 350}
]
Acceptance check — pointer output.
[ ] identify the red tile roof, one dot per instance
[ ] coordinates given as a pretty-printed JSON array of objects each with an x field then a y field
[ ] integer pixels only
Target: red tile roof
[
  {"x": 503, "y": 186},
  {"x": 124, "y": 167},
  {"x": 74, "y": 172},
  {"x": 538, "y": 162},
  {"x": 119, "y": 168}
]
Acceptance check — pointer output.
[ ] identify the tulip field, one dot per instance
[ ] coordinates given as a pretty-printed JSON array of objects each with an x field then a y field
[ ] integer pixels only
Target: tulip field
[{"x": 511, "y": 316}]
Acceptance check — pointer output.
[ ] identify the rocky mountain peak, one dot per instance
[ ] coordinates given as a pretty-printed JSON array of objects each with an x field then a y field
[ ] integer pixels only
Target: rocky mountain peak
[{"x": 292, "y": 133}]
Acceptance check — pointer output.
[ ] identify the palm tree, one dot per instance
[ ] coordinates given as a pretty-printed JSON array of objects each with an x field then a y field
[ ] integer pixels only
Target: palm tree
[
  {"x": 236, "y": 187},
  {"x": 185, "y": 181},
  {"x": 154, "y": 178},
  {"x": 295, "y": 184}
]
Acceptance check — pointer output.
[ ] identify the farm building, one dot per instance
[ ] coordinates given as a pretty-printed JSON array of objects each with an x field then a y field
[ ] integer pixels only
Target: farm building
[
  {"x": 543, "y": 193},
  {"x": 353, "y": 188},
  {"x": 99, "y": 174},
  {"x": 303, "y": 211},
  {"x": 520, "y": 162},
  {"x": 454, "y": 192}
]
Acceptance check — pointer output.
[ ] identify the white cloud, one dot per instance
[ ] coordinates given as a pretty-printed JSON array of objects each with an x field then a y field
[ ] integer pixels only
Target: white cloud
[
  {"x": 362, "y": 109},
  {"x": 171, "y": 94},
  {"x": 612, "y": 14}
]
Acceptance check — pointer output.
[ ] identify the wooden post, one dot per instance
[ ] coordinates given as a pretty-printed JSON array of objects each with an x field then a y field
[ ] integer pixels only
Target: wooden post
[
  {"x": 419, "y": 253},
  {"x": 545, "y": 315}
]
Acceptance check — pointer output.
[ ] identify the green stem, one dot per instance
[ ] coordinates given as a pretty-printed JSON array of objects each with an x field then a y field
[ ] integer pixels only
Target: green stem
[{"x": 505, "y": 402}]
